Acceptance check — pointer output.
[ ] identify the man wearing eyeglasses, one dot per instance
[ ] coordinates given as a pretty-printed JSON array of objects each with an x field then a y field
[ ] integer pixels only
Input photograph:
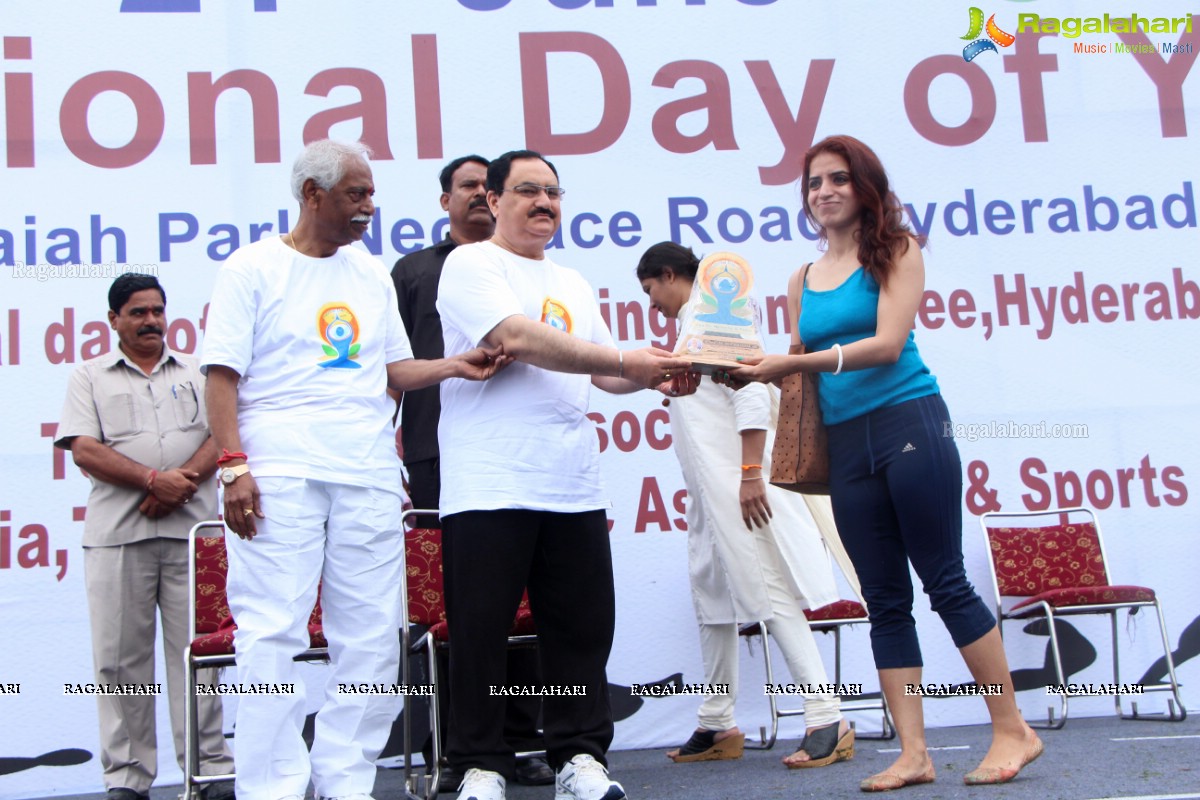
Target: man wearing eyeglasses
[
  {"x": 416, "y": 276},
  {"x": 522, "y": 503},
  {"x": 134, "y": 420}
]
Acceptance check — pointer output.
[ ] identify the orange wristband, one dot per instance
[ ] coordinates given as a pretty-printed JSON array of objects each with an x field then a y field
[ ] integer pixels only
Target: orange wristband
[{"x": 748, "y": 467}]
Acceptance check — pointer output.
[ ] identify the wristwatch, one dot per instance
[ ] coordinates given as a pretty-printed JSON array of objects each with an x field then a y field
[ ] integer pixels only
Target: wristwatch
[{"x": 231, "y": 474}]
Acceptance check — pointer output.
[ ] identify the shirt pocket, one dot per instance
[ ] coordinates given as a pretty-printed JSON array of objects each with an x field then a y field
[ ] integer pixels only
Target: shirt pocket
[
  {"x": 120, "y": 416},
  {"x": 187, "y": 402}
]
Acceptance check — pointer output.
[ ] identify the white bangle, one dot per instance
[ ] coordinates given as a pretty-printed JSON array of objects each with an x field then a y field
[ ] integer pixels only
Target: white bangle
[
  {"x": 620, "y": 364},
  {"x": 838, "y": 347}
]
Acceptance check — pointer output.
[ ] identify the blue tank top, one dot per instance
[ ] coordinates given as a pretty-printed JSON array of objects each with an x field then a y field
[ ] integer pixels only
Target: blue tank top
[{"x": 847, "y": 314}]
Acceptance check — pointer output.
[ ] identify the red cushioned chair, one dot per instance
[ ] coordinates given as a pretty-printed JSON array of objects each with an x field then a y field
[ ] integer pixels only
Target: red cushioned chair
[
  {"x": 1052, "y": 564},
  {"x": 826, "y": 619},
  {"x": 210, "y": 634},
  {"x": 427, "y": 606}
]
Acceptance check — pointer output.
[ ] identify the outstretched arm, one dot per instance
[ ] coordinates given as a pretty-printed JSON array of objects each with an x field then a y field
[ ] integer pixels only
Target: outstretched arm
[
  {"x": 542, "y": 346},
  {"x": 897, "y": 313},
  {"x": 474, "y": 365}
]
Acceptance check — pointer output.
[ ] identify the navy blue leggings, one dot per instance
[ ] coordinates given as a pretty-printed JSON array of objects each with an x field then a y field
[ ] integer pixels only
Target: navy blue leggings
[{"x": 896, "y": 486}]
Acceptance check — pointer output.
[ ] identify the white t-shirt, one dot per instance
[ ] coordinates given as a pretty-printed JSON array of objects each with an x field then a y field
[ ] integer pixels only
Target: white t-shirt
[
  {"x": 311, "y": 338},
  {"x": 521, "y": 439}
]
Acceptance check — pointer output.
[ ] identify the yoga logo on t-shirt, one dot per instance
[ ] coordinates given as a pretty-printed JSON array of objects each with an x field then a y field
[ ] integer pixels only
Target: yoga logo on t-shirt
[
  {"x": 338, "y": 328},
  {"x": 555, "y": 315}
]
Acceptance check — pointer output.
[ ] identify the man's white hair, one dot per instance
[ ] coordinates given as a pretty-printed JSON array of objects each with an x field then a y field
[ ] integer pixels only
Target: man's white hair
[{"x": 325, "y": 162}]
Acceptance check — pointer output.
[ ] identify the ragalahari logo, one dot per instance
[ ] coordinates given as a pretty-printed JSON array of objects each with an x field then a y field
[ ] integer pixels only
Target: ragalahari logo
[{"x": 995, "y": 36}]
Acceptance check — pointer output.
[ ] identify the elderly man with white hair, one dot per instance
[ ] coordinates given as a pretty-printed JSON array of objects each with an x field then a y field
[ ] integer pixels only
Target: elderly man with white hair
[{"x": 303, "y": 339}]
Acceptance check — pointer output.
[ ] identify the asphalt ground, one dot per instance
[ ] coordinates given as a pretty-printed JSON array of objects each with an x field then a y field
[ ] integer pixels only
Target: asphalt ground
[{"x": 1097, "y": 758}]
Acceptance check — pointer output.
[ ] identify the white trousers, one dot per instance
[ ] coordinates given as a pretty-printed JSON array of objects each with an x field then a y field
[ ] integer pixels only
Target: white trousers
[
  {"x": 350, "y": 540},
  {"x": 790, "y": 630}
]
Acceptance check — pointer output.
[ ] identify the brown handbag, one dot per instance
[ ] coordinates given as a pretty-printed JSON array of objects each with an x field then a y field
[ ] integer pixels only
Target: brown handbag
[{"x": 800, "y": 457}]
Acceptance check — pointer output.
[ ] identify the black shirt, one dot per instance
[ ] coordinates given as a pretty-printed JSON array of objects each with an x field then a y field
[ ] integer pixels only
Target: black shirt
[{"x": 416, "y": 276}]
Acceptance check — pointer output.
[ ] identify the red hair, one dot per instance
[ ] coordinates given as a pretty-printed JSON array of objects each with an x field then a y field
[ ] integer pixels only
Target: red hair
[{"x": 883, "y": 234}]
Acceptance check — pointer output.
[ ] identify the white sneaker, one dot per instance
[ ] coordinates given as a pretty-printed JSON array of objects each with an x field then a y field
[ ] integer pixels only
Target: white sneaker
[
  {"x": 481, "y": 784},
  {"x": 585, "y": 778}
]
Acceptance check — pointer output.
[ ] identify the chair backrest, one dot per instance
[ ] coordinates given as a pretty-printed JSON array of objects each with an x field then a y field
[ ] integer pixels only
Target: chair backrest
[
  {"x": 1030, "y": 557},
  {"x": 423, "y": 572},
  {"x": 210, "y": 569},
  {"x": 212, "y": 566},
  {"x": 425, "y": 583},
  {"x": 314, "y": 619}
]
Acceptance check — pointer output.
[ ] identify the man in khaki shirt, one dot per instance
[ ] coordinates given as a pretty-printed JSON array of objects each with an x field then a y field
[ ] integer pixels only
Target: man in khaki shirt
[{"x": 134, "y": 419}]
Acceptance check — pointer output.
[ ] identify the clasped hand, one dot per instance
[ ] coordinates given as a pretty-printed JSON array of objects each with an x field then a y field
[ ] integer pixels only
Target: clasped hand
[
  {"x": 659, "y": 369},
  {"x": 483, "y": 362}
]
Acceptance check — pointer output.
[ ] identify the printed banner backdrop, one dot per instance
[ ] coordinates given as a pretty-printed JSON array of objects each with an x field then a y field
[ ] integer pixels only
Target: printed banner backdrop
[{"x": 1056, "y": 177}]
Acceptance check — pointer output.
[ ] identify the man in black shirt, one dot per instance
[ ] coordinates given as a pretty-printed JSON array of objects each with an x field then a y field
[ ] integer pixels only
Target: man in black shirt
[{"x": 416, "y": 275}]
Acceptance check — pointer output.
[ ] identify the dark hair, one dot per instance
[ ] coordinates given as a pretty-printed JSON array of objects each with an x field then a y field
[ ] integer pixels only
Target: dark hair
[
  {"x": 665, "y": 256},
  {"x": 883, "y": 233},
  {"x": 129, "y": 284},
  {"x": 447, "y": 174},
  {"x": 498, "y": 170}
]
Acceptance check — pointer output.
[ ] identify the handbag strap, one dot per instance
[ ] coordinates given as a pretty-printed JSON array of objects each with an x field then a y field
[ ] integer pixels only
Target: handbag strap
[{"x": 800, "y": 305}]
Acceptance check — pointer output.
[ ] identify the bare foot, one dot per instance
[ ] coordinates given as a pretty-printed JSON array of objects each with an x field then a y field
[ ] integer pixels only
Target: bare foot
[
  {"x": 1009, "y": 752},
  {"x": 800, "y": 756},
  {"x": 717, "y": 737}
]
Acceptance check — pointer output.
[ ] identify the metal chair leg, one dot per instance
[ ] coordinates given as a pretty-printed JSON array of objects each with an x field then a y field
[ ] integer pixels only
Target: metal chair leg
[
  {"x": 412, "y": 782},
  {"x": 434, "y": 775},
  {"x": 889, "y": 730},
  {"x": 1162, "y": 629},
  {"x": 1056, "y": 654},
  {"x": 1172, "y": 684},
  {"x": 886, "y": 731},
  {"x": 1116, "y": 657},
  {"x": 191, "y": 750},
  {"x": 767, "y": 742}
]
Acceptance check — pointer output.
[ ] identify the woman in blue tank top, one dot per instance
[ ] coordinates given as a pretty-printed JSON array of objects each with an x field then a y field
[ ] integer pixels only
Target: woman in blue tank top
[{"x": 895, "y": 478}]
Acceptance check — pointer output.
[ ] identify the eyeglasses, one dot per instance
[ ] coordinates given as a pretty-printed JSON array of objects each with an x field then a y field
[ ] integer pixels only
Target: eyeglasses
[{"x": 531, "y": 191}]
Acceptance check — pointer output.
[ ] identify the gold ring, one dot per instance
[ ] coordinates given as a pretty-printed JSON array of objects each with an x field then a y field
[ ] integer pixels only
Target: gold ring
[
  {"x": 667, "y": 375},
  {"x": 247, "y": 511}
]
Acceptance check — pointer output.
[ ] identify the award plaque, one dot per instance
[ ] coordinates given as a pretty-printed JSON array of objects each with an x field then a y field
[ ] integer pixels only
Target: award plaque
[{"x": 719, "y": 325}]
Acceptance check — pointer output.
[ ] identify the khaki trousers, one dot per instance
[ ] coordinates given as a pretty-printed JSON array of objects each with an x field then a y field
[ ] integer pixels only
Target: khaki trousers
[{"x": 125, "y": 585}]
